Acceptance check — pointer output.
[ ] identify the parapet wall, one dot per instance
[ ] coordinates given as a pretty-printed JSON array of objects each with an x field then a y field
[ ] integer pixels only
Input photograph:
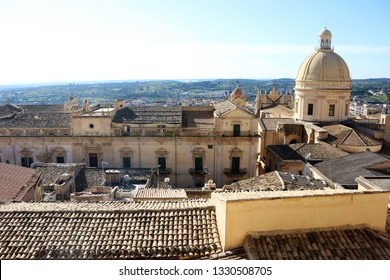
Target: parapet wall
[{"x": 240, "y": 213}]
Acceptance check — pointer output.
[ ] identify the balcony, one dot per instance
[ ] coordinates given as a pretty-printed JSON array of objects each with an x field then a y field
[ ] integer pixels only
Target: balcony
[
  {"x": 235, "y": 173},
  {"x": 167, "y": 131},
  {"x": 238, "y": 134},
  {"x": 198, "y": 173},
  {"x": 165, "y": 171}
]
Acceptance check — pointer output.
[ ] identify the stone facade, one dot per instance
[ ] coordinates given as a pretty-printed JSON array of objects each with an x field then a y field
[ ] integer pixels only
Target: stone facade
[{"x": 190, "y": 145}]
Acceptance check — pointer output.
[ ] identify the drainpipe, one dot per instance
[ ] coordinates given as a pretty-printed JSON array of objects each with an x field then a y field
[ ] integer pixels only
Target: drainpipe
[{"x": 13, "y": 148}]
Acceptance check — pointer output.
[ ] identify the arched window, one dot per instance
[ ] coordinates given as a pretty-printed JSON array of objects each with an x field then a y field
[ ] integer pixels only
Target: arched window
[
  {"x": 322, "y": 43},
  {"x": 327, "y": 43}
]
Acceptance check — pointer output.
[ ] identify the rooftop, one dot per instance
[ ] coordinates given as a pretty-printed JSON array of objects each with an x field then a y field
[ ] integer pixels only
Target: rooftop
[
  {"x": 317, "y": 151},
  {"x": 278, "y": 181},
  {"x": 278, "y": 111},
  {"x": 340, "y": 244},
  {"x": 272, "y": 123},
  {"x": 8, "y": 109},
  {"x": 50, "y": 173},
  {"x": 227, "y": 106},
  {"x": 343, "y": 135},
  {"x": 149, "y": 114},
  {"x": 345, "y": 169},
  {"x": 198, "y": 118},
  {"x": 159, "y": 194},
  {"x": 16, "y": 181},
  {"x": 37, "y": 120},
  {"x": 110, "y": 230},
  {"x": 285, "y": 152}
]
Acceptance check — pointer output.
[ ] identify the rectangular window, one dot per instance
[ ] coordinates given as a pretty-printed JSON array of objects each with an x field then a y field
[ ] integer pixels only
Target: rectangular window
[
  {"x": 27, "y": 161},
  {"x": 60, "y": 159},
  {"x": 346, "y": 110},
  {"x": 331, "y": 110},
  {"x": 198, "y": 164},
  {"x": 162, "y": 164},
  {"x": 126, "y": 162},
  {"x": 310, "y": 109},
  {"x": 93, "y": 161},
  {"x": 235, "y": 164},
  {"x": 236, "y": 130}
]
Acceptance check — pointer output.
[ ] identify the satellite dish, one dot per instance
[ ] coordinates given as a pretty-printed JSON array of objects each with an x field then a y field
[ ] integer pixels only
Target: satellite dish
[{"x": 167, "y": 180}]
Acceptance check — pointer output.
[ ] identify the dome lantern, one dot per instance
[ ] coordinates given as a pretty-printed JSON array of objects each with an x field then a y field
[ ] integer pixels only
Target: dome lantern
[{"x": 325, "y": 40}]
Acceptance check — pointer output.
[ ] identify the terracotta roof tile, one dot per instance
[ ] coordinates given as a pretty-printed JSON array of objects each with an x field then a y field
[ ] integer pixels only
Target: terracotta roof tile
[
  {"x": 341, "y": 134},
  {"x": 16, "y": 181},
  {"x": 149, "y": 114},
  {"x": 37, "y": 120},
  {"x": 341, "y": 244},
  {"x": 153, "y": 193},
  {"x": 111, "y": 230}
]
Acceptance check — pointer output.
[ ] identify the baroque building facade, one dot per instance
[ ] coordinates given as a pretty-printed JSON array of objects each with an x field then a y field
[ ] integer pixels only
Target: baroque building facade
[{"x": 190, "y": 145}]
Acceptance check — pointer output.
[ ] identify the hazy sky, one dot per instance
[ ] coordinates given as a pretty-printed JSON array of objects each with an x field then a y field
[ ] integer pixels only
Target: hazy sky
[{"x": 48, "y": 40}]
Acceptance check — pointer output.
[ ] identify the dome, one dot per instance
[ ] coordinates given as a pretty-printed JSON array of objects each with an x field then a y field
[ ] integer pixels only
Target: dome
[
  {"x": 237, "y": 93},
  {"x": 325, "y": 32},
  {"x": 324, "y": 69}
]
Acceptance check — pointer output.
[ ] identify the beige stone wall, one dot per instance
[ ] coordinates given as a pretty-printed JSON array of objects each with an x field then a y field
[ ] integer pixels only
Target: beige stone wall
[
  {"x": 248, "y": 123},
  {"x": 91, "y": 125},
  {"x": 321, "y": 99},
  {"x": 386, "y": 136},
  {"x": 41, "y": 149},
  {"x": 238, "y": 214}
]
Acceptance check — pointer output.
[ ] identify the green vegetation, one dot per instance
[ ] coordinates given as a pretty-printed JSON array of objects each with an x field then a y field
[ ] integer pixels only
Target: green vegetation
[{"x": 161, "y": 91}]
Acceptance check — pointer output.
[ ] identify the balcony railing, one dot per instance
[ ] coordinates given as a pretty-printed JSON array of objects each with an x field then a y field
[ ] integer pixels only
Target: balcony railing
[
  {"x": 169, "y": 131},
  {"x": 35, "y": 132},
  {"x": 238, "y": 134},
  {"x": 135, "y": 132},
  {"x": 197, "y": 172},
  {"x": 235, "y": 172}
]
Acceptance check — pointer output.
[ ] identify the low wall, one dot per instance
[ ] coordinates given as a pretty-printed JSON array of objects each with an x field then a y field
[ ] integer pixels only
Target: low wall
[{"x": 240, "y": 213}]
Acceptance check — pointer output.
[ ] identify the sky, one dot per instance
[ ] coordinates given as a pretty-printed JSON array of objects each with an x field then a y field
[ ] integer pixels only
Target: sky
[{"x": 93, "y": 40}]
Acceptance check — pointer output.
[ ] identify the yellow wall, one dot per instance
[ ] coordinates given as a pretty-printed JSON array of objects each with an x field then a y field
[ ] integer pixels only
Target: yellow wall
[{"x": 238, "y": 214}]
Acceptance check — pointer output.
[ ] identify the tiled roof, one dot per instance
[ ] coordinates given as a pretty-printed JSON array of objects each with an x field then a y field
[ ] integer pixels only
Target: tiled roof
[
  {"x": 345, "y": 169},
  {"x": 51, "y": 173},
  {"x": 89, "y": 177},
  {"x": 149, "y": 114},
  {"x": 37, "y": 120},
  {"x": 199, "y": 119},
  {"x": 146, "y": 230},
  {"x": 279, "y": 111},
  {"x": 278, "y": 181},
  {"x": 234, "y": 254},
  {"x": 43, "y": 108},
  {"x": 227, "y": 106},
  {"x": 317, "y": 151},
  {"x": 137, "y": 175},
  {"x": 160, "y": 194},
  {"x": 341, "y": 244},
  {"x": 16, "y": 181},
  {"x": 285, "y": 152},
  {"x": 8, "y": 109},
  {"x": 272, "y": 123},
  {"x": 343, "y": 135},
  {"x": 224, "y": 107}
]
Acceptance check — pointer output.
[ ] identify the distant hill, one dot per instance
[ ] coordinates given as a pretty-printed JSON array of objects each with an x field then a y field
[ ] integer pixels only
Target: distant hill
[{"x": 162, "y": 90}]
